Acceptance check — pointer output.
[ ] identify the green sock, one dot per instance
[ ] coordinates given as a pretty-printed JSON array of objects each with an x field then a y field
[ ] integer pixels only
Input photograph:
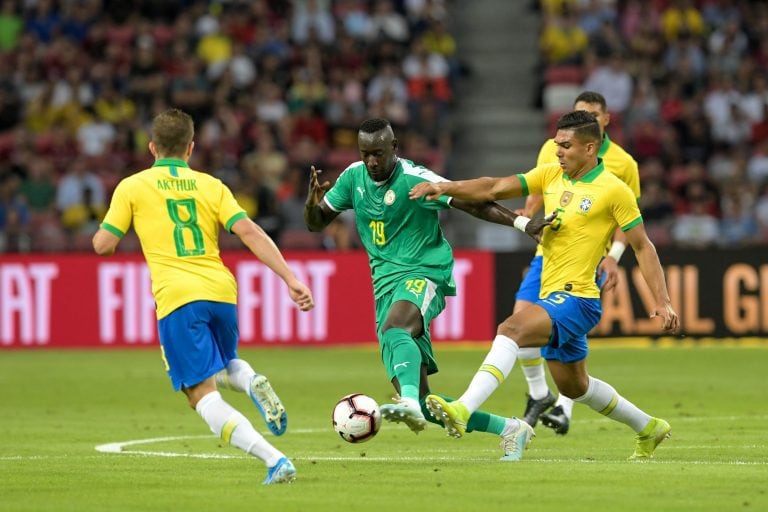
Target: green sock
[
  {"x": 479, "y": 420},
  {"x": 406, "y": 361}
]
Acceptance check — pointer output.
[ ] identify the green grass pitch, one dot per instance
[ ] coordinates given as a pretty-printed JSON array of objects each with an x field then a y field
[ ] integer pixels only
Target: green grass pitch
[{"x": 57, "y": 406}]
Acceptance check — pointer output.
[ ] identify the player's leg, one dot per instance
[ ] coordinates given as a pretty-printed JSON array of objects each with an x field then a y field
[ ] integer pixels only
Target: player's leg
[
  {"x": 529, "y": 327},
  {"x": 239, "y": 375},
  {"x": 234, "y": 428},
  {"x": 404, "y": 349},
  {"x": 573, "y": 380},
  {"x": 192, "y": 358},
  {"x": 540, "y": 398}
]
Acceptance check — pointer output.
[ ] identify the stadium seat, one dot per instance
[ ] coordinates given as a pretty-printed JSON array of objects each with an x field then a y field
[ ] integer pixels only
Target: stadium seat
[
  {"x": 564, "y": 75},
  {"x": 559, "y": 97}
]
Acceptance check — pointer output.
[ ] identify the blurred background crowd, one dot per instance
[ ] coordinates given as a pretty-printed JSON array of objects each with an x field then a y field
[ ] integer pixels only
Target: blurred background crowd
[
  {"x": 686, "y": 83},
  {"x": 276, "y": 86}
]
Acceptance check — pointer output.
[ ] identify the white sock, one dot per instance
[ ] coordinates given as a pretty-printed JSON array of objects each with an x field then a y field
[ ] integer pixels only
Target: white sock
[
  {"x": 532, "y": 365},
  {"x": 234, "y": 428},
  {"x": 510, "y": 425},
  {"x": 495, "y": 368},
  {"x": 601, "y": 397},
  {"x": 237, "y": 375},
  {"x": 566, "y": 404}
]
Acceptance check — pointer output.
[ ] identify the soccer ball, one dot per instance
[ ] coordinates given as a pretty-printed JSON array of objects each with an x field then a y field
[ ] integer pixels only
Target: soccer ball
[{"x": 356, "y": 418}]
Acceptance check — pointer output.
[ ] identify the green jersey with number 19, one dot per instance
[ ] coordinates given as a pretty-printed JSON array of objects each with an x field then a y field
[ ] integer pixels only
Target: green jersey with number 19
[
  {"x": 401, "y": 236},
  {"x": 176, "y": 213}
]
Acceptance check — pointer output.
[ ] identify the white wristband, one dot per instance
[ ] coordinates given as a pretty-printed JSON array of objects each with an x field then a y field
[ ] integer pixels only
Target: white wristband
[
  {"x": 520, "y": 222},
  {"x": 617, "y": 249}
]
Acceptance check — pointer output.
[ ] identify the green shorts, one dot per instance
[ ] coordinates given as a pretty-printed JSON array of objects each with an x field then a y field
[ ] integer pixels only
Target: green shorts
[{"x": 429, "y": 298}]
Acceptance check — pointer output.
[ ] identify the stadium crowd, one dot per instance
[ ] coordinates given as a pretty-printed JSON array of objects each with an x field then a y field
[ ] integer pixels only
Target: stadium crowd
[
  {"x": 686, "y": 82},
  {"x": 277, "y": 85},
  {"x": 273, "y": 86}
]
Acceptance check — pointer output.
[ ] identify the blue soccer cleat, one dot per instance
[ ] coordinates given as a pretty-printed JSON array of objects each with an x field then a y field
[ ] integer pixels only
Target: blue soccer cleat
[{"x": 283, "y": 472}]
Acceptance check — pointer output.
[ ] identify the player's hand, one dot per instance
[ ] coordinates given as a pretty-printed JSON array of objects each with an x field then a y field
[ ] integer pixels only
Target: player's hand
[
  {"x": 536, "y": 226},
  {"x": 431, "y": 190},
  {"x": 316, "y": 189},
  {"x": 301, "y": 295},
  {"x": 608, "y": 270},
  {"x": 671, "y": 322}
]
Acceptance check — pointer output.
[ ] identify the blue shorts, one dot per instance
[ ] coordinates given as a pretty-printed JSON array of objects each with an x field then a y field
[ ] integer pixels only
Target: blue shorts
[
  {"x": 198, "y": 340},
  {"x": 572, "y": 318},
  {"x": 531, "y": 285}
]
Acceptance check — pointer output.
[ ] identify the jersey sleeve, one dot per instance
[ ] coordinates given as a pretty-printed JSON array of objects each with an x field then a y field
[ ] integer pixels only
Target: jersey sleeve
[
  {"x": 120, "y": 213},
  {"x": 230, "y": 210},
  {"x": 633, "y": 177},
  {"x": 625, "y": 209},
  {"x": 535, "y": 180},
  {"x": 339, "y": 197},
  {"x": 547, "y": 153},
  {"x": 423, "y": 174}
]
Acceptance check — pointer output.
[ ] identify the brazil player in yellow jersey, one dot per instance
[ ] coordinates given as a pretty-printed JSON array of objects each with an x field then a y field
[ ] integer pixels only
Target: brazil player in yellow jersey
[
  {"x": 590, "y": 203},
  {"x": 411, "y": 262},
  {"x": 620, "y": 163},
  {"x": 176, "y": 213}
]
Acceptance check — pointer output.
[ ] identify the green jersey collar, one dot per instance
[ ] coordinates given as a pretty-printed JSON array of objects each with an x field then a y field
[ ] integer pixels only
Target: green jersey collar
[
  {"x": 591, "y": 175},
  {"x": 604, "y": 145},
  {"x": 175, "y": 162}
]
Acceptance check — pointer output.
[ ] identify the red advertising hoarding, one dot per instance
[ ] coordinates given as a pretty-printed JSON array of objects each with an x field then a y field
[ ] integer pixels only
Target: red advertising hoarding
[{"x": 68, "y": 300}]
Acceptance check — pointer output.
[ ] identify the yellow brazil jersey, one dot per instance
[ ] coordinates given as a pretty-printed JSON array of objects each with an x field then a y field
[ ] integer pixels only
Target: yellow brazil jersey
[
  {"x": 176, "y": 213},
  {"x": 588, "y": 211},
  {"x": 615, "y": 160}
]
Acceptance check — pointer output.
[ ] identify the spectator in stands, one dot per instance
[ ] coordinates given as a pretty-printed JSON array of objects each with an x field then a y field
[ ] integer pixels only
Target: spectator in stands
[
  {"x": 14, "y": 215},
  {"x": 612, "y": 80},
  {"x": 696, "y": 229},
  {"x": 562, "y": 41},
  {"x": 681, "y": 16},
  {"x": 80, "y": 195}
]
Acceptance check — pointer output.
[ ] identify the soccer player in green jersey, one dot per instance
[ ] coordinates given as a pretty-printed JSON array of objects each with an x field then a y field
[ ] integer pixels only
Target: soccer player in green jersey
[
  {"x": 411, "y": 262},
  {"x": 590, "y": 203},
  {"x": 176, "y": 213},
  {"x": 620, "y": 163}
]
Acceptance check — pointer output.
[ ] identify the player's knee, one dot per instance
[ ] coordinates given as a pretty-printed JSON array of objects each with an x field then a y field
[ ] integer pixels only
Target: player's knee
[{"x": 514, "y": 330}]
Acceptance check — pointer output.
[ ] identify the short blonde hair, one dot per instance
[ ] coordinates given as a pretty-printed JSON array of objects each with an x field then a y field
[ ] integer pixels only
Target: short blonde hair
[{"x": 172, "y": 131}]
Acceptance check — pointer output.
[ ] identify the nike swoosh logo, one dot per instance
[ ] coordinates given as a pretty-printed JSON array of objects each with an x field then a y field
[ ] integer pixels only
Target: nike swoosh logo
[{"x": 405, "y": 364}]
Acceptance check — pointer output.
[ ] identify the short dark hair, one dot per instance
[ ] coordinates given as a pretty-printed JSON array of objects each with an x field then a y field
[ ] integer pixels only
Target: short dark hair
[
  {"x": 172, "y": 131},
  {"x": 591, "y": 97},
  {"x": 373, "y": 125},
  {"x": 583, "y": 124}
]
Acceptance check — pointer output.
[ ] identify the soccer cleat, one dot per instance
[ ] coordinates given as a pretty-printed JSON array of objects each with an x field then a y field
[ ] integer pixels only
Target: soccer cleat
[
  {"x": 515, "y": 443},
  {"x": 268, "y": 404},
  {"x": 657, "y": 430},
  {"x": 535, "y": 407},
  {"x": 283, "y": 472},
  {"x": 556, "y": 420},
  {"x": 454, "y": 415},
  {"x": 405, "y": 412}
]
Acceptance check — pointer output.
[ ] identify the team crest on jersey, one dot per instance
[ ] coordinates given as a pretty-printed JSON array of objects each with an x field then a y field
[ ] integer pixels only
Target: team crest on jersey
[
  {"x": 585, "y": 204},
  {"x": 389, "y": 197},
  {"x": 565, "y": 199}
]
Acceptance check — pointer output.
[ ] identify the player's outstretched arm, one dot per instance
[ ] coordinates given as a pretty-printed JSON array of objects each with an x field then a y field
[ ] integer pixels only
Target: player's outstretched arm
[
  {"x": 498, "y": 214},
  {"x": 477, "y": 190},
  {"x": 317, "y": 215},
  {"x": 262, "y": 246},
  {"x": 650, "y": 266}
]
